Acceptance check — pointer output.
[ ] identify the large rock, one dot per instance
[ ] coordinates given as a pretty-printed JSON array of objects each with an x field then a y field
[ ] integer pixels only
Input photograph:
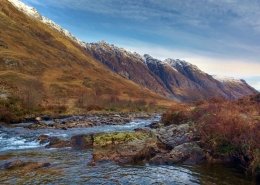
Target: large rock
[
  {"x": 55, "y": 142},
  {"x": 76, "y": 142},
  {"x": 156, "y": 125},
  {"x": 174, "y": 135},
  {"x": 187, "y": 153},
  {"x": 125, "y": 147},
  {"x": 82, "y": 141}
]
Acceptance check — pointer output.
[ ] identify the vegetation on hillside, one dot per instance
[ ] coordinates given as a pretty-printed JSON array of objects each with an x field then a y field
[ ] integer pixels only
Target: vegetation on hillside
[
  {"x": 227, "y": 129},
  {"x": 46, "y": 71}
]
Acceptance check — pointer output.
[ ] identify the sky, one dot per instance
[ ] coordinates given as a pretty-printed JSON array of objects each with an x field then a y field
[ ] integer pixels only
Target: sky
[{"x": 221, "y": 37}]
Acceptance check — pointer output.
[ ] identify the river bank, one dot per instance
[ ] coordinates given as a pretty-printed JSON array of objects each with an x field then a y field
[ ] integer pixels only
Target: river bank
[{"x": 130, "y": 153}]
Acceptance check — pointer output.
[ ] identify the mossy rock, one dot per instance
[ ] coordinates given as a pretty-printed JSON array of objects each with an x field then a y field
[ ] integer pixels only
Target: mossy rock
[{"x": 119, "y": 137}]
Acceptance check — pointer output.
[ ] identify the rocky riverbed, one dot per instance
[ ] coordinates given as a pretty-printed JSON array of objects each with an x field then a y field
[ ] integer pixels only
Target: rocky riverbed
[
  {"x": 135, "y": 149},
  {"x": 84, "y": 121}
]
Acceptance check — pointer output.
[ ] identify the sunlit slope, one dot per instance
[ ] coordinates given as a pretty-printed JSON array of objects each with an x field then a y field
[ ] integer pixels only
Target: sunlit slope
[{"x": 42, "y": 62}]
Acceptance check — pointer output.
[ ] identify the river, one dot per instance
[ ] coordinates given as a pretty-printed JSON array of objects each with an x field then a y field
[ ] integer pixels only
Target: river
[{"x": 71, "y": 167}]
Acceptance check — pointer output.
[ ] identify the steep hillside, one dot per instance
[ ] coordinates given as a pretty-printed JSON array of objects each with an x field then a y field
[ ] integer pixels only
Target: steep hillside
[
  {"x": 179, "y": 85},
  {"x": 129, "y": 65},
  {"x": 235, "y": 87},
  {"x": 176, "y": 79},
  {"x": 43, "y": 66}
]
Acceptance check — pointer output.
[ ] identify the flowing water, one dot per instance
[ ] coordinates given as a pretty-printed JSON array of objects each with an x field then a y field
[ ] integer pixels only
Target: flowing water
[{"x": 70, "y": 166}]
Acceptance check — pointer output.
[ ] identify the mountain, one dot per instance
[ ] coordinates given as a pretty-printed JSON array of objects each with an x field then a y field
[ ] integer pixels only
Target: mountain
[
  {"x": 176, "y": 79},
  {"x": 128, "y": 65},
  {"x": 44, "y": 65}
]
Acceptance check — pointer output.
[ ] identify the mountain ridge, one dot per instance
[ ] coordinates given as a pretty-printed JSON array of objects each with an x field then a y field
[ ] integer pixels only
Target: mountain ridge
[
  {"x": 179, "y": 79},
  {"x": 45, "y": 69},
  {"x": 172, "y": 78}
]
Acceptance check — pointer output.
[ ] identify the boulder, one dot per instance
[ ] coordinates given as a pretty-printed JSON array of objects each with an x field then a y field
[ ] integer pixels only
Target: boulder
[
  {"x": 55, "y": 142},
  {"x": 43, "y": 139},
  {"x": 187, "y": 153},
  {"x": 155, "y": 125},
  {"x": 125, "y": 147},
  {"x": 174, "y": 135},
  {"x": 82, "y": 141}
]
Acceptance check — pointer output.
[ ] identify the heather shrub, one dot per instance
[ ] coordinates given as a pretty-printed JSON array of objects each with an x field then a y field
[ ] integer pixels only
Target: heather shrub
[
  {"x": 176, "y": 115},
  {"x": 11, "y": 110},
  {"x": 226, "y": 128}
]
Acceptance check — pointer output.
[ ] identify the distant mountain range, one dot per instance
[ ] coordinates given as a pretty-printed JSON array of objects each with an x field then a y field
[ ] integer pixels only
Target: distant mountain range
[
  {"x": 39, "y": 56},
  {"x": 176, "y": 79}
]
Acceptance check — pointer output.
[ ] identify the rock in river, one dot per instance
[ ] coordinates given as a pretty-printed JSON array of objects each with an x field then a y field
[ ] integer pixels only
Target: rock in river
[
  {"x": 187, "y": 153},
  {"x": 55, "y": 142},
  {"x": 175, "y": 135},
  {"x": 82, "y": 141},
  {"x": 28, "y": 166},
  {"x": 125, "y": 147},
  {"x": 43, "y": 139}
]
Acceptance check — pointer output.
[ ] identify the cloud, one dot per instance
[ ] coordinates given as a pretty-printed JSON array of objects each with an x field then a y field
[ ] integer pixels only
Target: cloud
[
  {"x": 190, "y": 12},
  {"x": 220, "y": 36},
  {"x": 225, "y": 25}
]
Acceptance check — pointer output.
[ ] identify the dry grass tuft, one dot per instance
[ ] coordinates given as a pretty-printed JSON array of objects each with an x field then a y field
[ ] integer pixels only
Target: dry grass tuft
[{"x": 226, "y": 128}]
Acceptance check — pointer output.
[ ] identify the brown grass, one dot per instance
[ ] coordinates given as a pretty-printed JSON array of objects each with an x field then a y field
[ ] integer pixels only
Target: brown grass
[
  {"x": 39, "y": 60},
  {"x": 226, "y": 128}
]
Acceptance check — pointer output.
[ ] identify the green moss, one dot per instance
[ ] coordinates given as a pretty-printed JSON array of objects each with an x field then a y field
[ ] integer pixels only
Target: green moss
[{"x": 118, "y": 137}]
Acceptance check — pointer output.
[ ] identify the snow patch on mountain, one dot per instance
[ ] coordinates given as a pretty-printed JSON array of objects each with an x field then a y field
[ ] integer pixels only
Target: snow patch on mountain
[
  {"x": 150, "y": 60},
  {"x": 225, "y": 79},
  {"x": 103, "y": 46},
  {"x": 33, "y": 13},
  {"x": 182, "y": 64}
]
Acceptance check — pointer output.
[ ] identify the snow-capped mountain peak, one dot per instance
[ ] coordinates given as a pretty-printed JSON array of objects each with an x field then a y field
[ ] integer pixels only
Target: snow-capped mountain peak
[
  {"x": 177, "y": 64},
  {"x": 33, "y": 13},
  {"x": 102, "y": 46},
  {"x": 30, "y": 11}
]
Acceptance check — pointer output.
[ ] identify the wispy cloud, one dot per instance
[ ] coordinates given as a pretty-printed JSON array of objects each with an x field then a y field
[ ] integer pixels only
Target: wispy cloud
[
  {"x": 190, "y": 12},
  {"x": 220, "y": 36},
  {"x": 212, "y": 20}
]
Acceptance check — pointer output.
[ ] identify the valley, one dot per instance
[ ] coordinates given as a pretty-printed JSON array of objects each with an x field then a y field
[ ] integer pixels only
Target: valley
[{"x": 73, "y": 112}]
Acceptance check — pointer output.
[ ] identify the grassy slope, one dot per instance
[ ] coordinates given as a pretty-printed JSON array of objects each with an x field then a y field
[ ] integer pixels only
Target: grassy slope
[{"x": 46, "y": 68}]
